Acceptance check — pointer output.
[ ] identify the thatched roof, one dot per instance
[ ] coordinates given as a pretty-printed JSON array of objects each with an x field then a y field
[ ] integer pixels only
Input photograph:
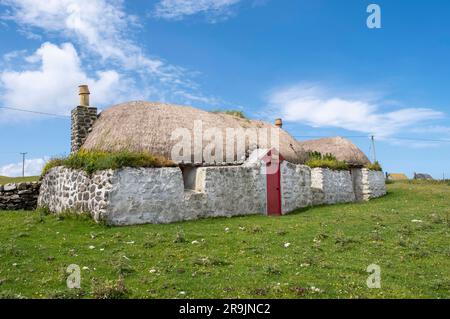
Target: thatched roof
[
  {"x": 397, "y": 176},
  {"x": 147, "y": 126},
  {"x": 341, "y": 148}
]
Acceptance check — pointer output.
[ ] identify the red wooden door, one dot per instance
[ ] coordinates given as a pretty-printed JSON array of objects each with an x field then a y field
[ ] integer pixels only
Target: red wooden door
[{"x": 273, "y": 186}]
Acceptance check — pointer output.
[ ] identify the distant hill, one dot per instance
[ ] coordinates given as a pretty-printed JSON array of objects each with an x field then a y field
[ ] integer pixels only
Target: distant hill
[{"x": 6, "y": 180}]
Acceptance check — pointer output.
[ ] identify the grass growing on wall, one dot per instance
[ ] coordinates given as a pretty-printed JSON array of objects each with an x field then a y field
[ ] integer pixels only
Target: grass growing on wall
[
  {"x": 374, "y": 166},
  {"x": 236, "y": 113},
  {"x": 321, "y": 252},
  {"x": 316, "y": 159},
  {"x": 92, "y": 161}
]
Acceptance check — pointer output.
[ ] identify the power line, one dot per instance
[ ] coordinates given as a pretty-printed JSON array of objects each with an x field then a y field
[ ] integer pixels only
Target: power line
[
  {"x": 324, "y": 136},
  {"x": 296, "y": 136},
  {"x": 369, "y": 137},
  {"x": 34, "y": 112},
  {"x": 420, "y": 139}
]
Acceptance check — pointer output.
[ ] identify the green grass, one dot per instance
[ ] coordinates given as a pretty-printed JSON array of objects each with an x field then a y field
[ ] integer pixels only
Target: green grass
[
  {"x": 236, "y": 113},
  {"x": 92, "y": 161},
  {"x": 6, "y": 180},
  {"x": 374, "y": 166},
  {"x": 330, "y": 249},
  {"x": 318, "y": 160}
]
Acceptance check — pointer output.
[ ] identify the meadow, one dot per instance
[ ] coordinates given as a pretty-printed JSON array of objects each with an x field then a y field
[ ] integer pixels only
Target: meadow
[
  {"x": 320, "y": 252},
  {"x": 6, "y": 180}
]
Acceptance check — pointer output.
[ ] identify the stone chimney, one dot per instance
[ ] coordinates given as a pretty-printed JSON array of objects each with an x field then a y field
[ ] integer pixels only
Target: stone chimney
[
  {"x": 279, "y": 123},
  {"x": 83, "y": 118}
]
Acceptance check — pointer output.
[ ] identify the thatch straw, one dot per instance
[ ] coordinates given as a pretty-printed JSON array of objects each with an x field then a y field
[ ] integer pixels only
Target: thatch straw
[
  {"x": 341, "y": 148},
  {"x": 145, "y": 126},
  {"x": 397, "y": 176}
]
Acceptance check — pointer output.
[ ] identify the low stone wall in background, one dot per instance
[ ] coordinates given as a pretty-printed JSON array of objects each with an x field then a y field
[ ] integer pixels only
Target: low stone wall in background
[{"x": 19, "y": 196}]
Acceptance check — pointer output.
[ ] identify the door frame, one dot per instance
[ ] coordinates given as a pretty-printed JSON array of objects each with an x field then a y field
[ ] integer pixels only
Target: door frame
[{"x": 273, "y": 209}]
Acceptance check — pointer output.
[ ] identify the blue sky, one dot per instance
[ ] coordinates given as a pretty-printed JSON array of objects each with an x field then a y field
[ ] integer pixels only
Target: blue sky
[{"x": 315, "y": 63}]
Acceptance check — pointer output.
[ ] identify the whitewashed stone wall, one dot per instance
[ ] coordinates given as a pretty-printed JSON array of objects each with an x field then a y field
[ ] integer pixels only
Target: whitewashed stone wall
[
  {"x": 331, "y": 187},
  {"x": 64, "y": 189},
  {"x": 233, "y": 190},
  {"x": 146, "y": 195},
  {"x": 157, "y": 195},
  {"x": 368, "y": 184},
  {"x": 295, "y": 187}
]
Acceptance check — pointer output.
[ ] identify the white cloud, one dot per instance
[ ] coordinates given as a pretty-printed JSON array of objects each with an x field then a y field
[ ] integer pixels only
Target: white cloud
[
  {"x": 100, "y": 26},
  {"x": 103, "y": 32},
  {"x": 414, "y": 143},
  {"x": 178, "y": 9},
  {"x": 314, "y": 106},
  {"x": 439, "y": 130},
  {"x": 50, "y": 78},
  {"x": 33, "y": 167}
]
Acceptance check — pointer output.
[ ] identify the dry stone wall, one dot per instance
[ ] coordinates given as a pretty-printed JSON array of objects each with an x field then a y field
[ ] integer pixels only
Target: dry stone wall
[{"x": 19, "y": 196}]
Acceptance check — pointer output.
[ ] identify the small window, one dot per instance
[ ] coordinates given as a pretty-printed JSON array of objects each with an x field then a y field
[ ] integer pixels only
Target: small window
[{"x": 189, "y": 177}]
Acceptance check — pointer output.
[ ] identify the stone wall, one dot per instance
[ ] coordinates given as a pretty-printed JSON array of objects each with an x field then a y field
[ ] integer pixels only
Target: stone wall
[
  {"x": 157, "y": 195},
  {"x": 160, "y": 195},
  {"x": 233, "y": 190},
  {"x": 64, "y": 189},
  {"x": 295, "y": 187},
  {"x": 368, "y": 184},
  {"x": 146, "y": 195},
  {"x": 18, "y": 196},
  {"x": 83, "y": 119},
  {"x": 331, "y": 187},
  {"x": 154, "y": 195}
]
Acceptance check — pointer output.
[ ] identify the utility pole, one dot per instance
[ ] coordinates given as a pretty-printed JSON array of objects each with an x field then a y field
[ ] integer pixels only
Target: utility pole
[
  {"x": 373, "y": 148},
  {"x": 23, "y": 164}
]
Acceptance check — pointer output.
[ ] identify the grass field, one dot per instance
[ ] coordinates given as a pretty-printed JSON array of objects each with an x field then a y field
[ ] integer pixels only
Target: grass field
[
  {"x": 320, "y": 252},
  {"x": 6, "y": 180}
]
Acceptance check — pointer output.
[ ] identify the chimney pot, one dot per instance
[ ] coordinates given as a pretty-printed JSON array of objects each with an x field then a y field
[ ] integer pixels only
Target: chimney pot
[
  {"x": 84, "y": 95},
  {"x": 279, "y": 123}
]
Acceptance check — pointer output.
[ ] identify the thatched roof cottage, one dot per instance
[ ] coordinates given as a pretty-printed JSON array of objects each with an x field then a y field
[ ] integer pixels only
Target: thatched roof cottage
[
  {"x": 341, "y": 148},
  {"x": 224, "y": 166}
]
